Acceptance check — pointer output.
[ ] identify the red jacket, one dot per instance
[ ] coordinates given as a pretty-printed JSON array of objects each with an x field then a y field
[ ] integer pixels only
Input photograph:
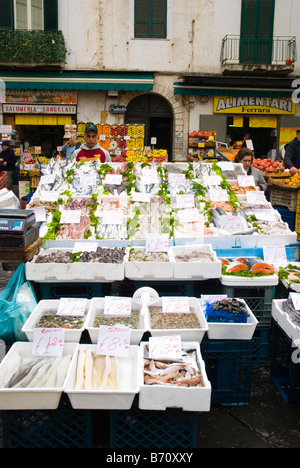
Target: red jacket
[{"x": 97, "y": 153}]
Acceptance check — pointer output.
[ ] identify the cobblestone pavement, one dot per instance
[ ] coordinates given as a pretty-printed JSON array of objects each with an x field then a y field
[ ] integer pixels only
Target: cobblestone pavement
[{"x": 267, "y": 422}]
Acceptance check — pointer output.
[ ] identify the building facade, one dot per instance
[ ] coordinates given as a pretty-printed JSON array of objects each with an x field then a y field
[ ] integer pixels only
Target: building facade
[{"x": 177, "y": 66}]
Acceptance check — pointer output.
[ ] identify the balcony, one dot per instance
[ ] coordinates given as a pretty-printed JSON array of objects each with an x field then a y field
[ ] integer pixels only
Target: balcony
[
  {"x": 32, "y": 48},
  {"x": 276, "y": 56}
]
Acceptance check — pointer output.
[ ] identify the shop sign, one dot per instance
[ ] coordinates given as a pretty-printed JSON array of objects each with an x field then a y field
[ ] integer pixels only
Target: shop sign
[
  {"x": 41, "y": 96},
  {"x": 117, "y": 109},
  {"x": 38, "y": 109},
  {"x": 253, "y": 105}
]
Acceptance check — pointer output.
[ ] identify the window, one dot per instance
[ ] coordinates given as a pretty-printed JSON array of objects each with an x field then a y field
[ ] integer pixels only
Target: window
[
  {"x": 29, "y": 14},
  {"x": 150, "y": 19}
]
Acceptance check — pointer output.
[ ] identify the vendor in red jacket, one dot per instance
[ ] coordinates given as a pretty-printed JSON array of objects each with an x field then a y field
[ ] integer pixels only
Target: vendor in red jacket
[
  {"x": 91, "y": 150},
  {"x": 8, "y": 162}
]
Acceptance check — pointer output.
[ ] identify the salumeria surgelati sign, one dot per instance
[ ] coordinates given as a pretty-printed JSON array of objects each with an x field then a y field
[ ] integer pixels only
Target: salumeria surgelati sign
[
  {"x": 253, "y": 105},
  {"x": 38, "y": 109}
]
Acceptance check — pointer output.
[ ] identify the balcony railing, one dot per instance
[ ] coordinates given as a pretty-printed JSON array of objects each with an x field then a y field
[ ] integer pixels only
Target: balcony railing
[
  {"x": 32, "y": 47},
  {"x": 250, "y": 51}
]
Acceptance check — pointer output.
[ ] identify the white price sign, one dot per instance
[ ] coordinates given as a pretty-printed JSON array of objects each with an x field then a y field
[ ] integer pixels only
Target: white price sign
[
  {"x": 116, "y": 305},
  {"x": 246, "y": 181},
  {"x": 256, "y": 197},
  {"x": 218, "y": 195},
  {"x": 40, "y": 214},
  {"x": 49, "y": 195},
  {"x": 87, "y": 179},
  {"x": 226, "y": 165},
  {"x": 47, "y": 179},
  {"x": 231, "y": 223},
  {"x": 175, "y": 304},
  {"x": 211, "y": 298},
  {"x": 71, "y": 307},
  {"x": 113, "y": 179},
  {"x": 149, "y": 176},
  {"x": 212, "y": 180},
  {"x": 176, "y": 179},
  {"x": 265, "y": 215},
  {"x": 48, "y": 341},
  {"x": 113, "y": 341},
  {"x": 70, "y": 216},
  {"x": 274, "y": 253},
  {"x": 296, "y": 299},
  {"x": 157, "y": 242},
  {"x": 165, "y": 347},
  {"x": 141, "y": 197},
  {"x": 112, "y": 217},
  {"x": 185, "y": 201},
  {"x": 189, "y": 215}
]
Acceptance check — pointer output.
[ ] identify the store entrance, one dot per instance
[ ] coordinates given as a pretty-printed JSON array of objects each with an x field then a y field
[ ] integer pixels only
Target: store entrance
[
  {"x": 156, "y": 114},
  {"x": 48, "y": 137},
  {"x": 264, "y": 139}
]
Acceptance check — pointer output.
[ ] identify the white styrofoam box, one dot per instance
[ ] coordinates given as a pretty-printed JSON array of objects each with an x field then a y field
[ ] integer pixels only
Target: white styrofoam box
[
  {"x": 50, "y": 272},
  {"x": 187, "y": 334},
  {"x": 228, "y": 280},
  {"x": 51, "y": 305},
  {"x": 233, "y": 331},
  {"x": 148, "y": 270},
  {"x": 161, "y": 397},
  {"x": 284, "y": 321},
  {"x": 286, "y": 283},
  {"x": 122, "y": 398},
  {"x": 104, "y": 272},
  {"x": 30, "y": 398},
  {"x": 97, "y": 304},
  {"x": 195, "y": 269}
]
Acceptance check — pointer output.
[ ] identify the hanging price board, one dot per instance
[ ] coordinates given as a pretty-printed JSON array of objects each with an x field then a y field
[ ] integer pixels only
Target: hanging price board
[
  {"x": 71, "y": 306},
  {"x": 116, "y": 305},
  {"x": 48, "y": 341},
  {"x": 113, "y": 341},
  {"x": 165, "y": 347},
  {"x": 175, "y": 305}
]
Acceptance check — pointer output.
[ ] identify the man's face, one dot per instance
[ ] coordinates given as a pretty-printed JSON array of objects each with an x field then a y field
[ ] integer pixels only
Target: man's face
[
  {"x": 4, "y": 147},
  {"x": 298, "y": 135},
  {"x": 90, "y": 139}
]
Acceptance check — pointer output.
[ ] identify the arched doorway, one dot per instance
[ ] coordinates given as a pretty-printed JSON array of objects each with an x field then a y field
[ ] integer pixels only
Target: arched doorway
[{"x": 156, "y": 114}]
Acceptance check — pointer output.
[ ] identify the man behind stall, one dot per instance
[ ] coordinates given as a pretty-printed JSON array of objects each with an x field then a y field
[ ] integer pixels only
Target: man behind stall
[
  {"x": 8, "y": 162},
  {"x": 91, "y": 149},
  {"x": 292, "y": 154}
]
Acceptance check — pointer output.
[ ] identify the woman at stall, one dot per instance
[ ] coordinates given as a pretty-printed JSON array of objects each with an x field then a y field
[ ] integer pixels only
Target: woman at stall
[{"x": 245, "y": 157}]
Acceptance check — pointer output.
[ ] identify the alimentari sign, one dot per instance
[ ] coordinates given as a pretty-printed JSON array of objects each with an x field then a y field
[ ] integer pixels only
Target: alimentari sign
[
  {"x": 38, "y": 109},
  {"x": 253, "y": 105}
]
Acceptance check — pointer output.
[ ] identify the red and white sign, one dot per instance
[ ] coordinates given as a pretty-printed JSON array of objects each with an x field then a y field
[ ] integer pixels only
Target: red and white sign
[{"x": 38, "y": 109}]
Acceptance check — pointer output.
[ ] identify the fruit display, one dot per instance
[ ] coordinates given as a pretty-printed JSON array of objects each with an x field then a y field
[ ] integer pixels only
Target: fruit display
[
  {"x": 294, "y": 180},
  {"x": 269, "y": 166}
]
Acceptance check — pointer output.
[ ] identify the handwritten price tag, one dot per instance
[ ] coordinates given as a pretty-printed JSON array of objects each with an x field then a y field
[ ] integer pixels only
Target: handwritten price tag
[
  {"x": 189, "y": 215},
  {"x": 226, "y": 165},
  {"x": 49, "y": 195},
  {"x": 40, "y": 214},
  {"x": 113, "y": 341},
  {"x": 176, "y": 179},
  {"x": 149, "y": 176},
  {"x": 47, "y": 179},
  {"x": 87, "y": 179},
  {"x": 113, "y": 179},
  {"x": 211, "y": 298},
  {"x": 231, "y": 223},
  {"x": 256, "y": 197},
  {"x": 218, "y": 195},
  {"x": 175, "y": 304},
  {"x": 141, "y": 197},
  {"x": 265, "y": 215},
  {"x": 185, "y": 201},
  {"x": 70, "y": 216},
  {"x": 274, "y": 253},
  {"x": 165, "y": 347},
  {"x": 246, "y": 181},
  {"x": 296, "y": 300},
  {"x": 112, "y": 217},
  {"x": 115, "y": 305},
  {"x": 212, "y": 180},
  {"x": 71, "y": 306},
  {"x": 157, "y": 242},
  {"x": 48, "y": 341}
]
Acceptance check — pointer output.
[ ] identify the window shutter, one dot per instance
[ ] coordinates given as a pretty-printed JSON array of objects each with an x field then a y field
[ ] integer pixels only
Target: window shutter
[
  {"x": 50, "y": 15},
  {"x": 7, "y": 14}
]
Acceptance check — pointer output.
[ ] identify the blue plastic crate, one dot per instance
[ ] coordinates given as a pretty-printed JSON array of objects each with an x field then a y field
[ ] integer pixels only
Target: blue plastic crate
[
  {"x": 228, "y": 364},
  {"x": 287, "y": 216},
  {"x": 137, "y": 428},
  {"x": 284, "y": 371},
  {"x": 60, "y": 428},
  {"x": 261, "y": 346}
]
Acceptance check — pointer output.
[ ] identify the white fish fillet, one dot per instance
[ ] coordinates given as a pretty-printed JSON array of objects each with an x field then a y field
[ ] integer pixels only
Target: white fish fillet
[
  {"x": 88, "y": 367},
  {"x": 106, "y": 372},
  {"x": 112, "y": 380},
  {"x": 79, "y": 381},
  {"x": 98, "y": 370},
  {"x": 11, "y": 368}
]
